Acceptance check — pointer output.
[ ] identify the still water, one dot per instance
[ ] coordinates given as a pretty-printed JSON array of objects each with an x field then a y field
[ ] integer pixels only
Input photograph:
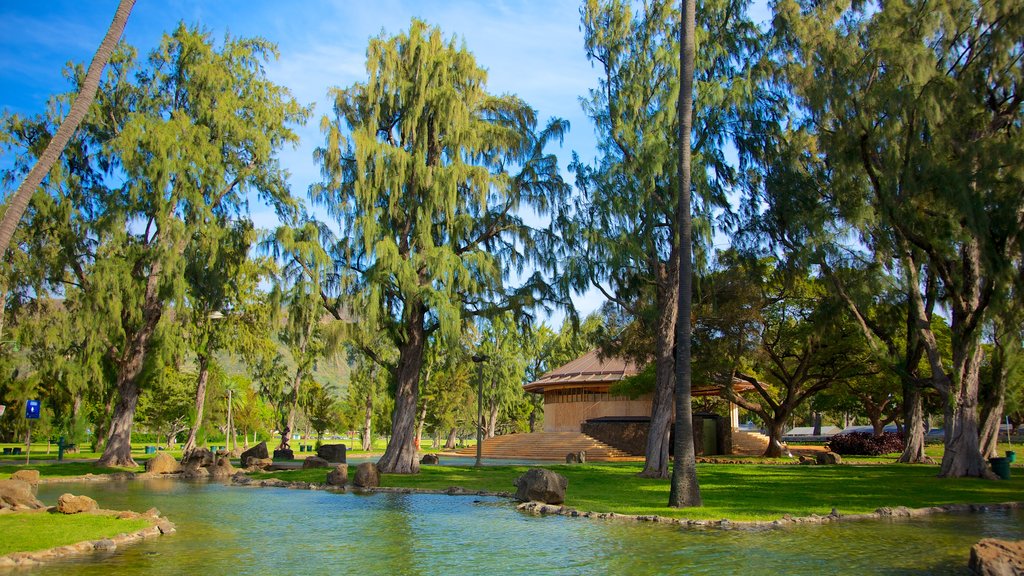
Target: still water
[{"x": 275, "y": 531}]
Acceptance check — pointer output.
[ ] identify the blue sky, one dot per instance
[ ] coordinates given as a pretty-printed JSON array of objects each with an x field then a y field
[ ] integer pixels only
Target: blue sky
[{"x": 533, "y": 49}]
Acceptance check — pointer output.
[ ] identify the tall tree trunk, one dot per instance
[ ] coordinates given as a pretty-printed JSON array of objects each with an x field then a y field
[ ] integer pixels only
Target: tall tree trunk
[
  {"x": 994, "y": 392},
  {"x": 492, "y": 416},
  {"x": 662, "y": 407},
  {"x": 453, "y": 437},
  {"x": 118, "y": 449},
  {"x": 776, "y": 428},
  {"x": 400, "y": 455},
  {"x": 913, "y": 425},
  {"x": 204, "y": 376},
  {"x": 962, "y": 456},
  {"x": 368, "y": 422},
  {"x": 419, "y": 425},
  {"x": 20, "y": 199},
  {"x": 685, "y": 490}
]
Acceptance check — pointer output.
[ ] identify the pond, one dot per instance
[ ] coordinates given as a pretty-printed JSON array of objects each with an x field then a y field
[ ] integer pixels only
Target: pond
[{"x": 232, "y": 530}]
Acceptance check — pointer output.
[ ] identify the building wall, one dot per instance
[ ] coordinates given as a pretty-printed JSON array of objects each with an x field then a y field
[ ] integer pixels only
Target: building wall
[{"x": 566, "y": 410}]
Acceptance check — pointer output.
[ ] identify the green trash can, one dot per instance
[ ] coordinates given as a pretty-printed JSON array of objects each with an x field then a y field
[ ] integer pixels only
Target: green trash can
[
  {"x": 1001, "y": 467},
  {"x": 150, "y": 449},
  {"x": 1011, "y": 456}
]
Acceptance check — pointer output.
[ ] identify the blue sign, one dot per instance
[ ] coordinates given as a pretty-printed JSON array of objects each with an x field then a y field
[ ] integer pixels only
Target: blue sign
[{"x": 32, "y": 410}]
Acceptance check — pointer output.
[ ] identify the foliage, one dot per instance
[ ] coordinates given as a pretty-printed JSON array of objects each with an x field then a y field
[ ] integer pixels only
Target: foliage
[{"x": 866, "y": 443}]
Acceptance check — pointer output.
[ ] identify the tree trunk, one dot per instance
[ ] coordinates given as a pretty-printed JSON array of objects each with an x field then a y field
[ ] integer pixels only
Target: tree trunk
[
  {"x": 685, "y": 490},
  {"x": 776, "y": 428},
  {"x": 400, "y": 455},
  {"x": 994, "y": 394},
  {"x": 86, "y": 94},
  {"x": 118, "y": 449},
  {"x": 368, "y": 423},
  {"x": 962, "y": 455},
  {"x": 419, "y": 425},
  {"x": 492, "y": 417},
  {"x": 657, "y": 449},
  {"x": 913, "y": 426},
  {"x": 204, "y": 376},
  {"x": 453, "y": 437}
]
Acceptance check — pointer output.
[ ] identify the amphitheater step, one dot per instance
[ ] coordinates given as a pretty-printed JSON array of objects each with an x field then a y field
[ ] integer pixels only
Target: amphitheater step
[{"x": 546, "y": 446}]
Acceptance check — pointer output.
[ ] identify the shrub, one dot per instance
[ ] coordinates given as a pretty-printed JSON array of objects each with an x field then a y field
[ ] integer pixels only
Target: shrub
[{"x": 866, "y": 444}]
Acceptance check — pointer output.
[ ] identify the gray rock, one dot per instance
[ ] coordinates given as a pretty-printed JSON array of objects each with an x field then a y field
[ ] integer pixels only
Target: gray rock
[
  {"x": 252, "y": 462},
  {"x": 991, "y": 557},
  {"x": 332, "y": 452},
  {"x": 17, "y": 495},
  {"x": 198, "y": 457},
  {"x": 71, "y": 504},
  {"x": 828, "y": 458},
  {"x": 258, "y": 451},
  {"x": 338, "y": 476},
  {"x": 576, "y": 457},
  {"x": 315, "y": 462},
  {"x": 541, "y": 485},
  {"x": 367, "y": 475},
  {"x": 162, "y": 463},
  {"x": 222, "y": 469},
  {"x": 430, "y": 459}
]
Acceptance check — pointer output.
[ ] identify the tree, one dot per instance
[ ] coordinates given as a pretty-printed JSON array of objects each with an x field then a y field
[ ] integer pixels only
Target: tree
[
  {"x": 916, "y": 127},
  {"x": 685, "y": 489},
  {"x": 165, "y": 406},
  {"x": 322, "y": 408},
  {"x": 620, "y": 232},
  {"x": 169, "y": 148},
  {"x": 428, "y": 188},
  {"x": 19, "y": 201}
]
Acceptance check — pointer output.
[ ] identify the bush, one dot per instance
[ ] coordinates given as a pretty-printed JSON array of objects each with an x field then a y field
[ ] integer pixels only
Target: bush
[{"x": 865, "y": 444}]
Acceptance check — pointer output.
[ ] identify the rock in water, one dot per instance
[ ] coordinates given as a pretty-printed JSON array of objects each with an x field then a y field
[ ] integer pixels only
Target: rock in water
[
  {"x": 367, "y": 475},
  {"x": 198, "y": 457},
  {"x": 222, "y": 469},
  {"x": 71, "y": 504},
  {"x": 541, "y": 485},
  {"x": 338, "y": 476},
  {"x": 162, "y": 463},
  {"x": 991, "y": 557},
  {"x": 17, "y": 495},
  {"x": 332, "y": 452}
]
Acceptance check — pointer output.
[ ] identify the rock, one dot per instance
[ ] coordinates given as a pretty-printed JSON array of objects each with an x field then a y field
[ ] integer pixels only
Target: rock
[
  {"x": 338, "y": 476},
  {"x": 991, "y": 557},
  {"x": 367, "y": 475},
  {"x": 807, "y": 461},
  {"x": 162, "y": 463},
  {"x": 17, "y": 495},
  {"x": 30, "y": 476},
  {"x": 222, "y": 469},
  {"x": 332, "y": 452},
  {"x": 540, "y": 485},
  {"x": 198, "y": 457},
  {"x": 286, "y": 454},
  {"x": 576, "y": 457},
  {"x": 315, "y": 462},
  {"x": 828, "y": 458},
  {"x": 194, "y": 472},
  {"x": 257, "y": 463},
  {"x": 71, "y": 504},
  {"x": 258, "y": 451},
  {"x": 105, "y": 545},
  {"x": 431, "y": 459}
]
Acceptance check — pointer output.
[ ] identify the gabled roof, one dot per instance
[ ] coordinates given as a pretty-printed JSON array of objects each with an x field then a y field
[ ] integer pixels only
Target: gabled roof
[{"x": 587, "y": 369}]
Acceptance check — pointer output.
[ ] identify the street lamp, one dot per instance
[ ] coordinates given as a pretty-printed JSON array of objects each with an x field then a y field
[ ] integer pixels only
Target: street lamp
[{"x": 479, "y": 359}]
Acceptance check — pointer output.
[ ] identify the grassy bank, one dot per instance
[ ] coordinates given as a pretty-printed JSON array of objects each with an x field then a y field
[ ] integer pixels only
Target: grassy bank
[
  {"x": 736, "y": 492},
  {"x": 51, "y": 469},
  {"x": 28, "y": 532}
]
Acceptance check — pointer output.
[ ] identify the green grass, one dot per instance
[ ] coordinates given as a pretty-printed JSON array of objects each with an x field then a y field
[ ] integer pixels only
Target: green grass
[
  {"x": 736, "y": 492},
  {"x": 40, "y": 531},
  {"x": 62, "y": 469}
]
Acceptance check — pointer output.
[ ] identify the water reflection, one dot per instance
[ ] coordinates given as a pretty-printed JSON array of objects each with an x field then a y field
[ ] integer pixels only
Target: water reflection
[{"x": 231, "y": 530}]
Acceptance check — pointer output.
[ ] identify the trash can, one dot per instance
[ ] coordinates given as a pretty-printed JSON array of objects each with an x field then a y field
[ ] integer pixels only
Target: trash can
[
  {"x": 1001, "y": 467},
  {"x": 60, "y": 449},
  {"x": 8, "y": 451},
  {"x": 150, "y": 449},
  {"x": 1011, "y": 456}
]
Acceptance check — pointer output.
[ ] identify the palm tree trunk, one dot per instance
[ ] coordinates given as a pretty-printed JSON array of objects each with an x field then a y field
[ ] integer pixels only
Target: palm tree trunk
[
  {"x": 19, "y": 201},
  {"x": 685, "y": 490}
]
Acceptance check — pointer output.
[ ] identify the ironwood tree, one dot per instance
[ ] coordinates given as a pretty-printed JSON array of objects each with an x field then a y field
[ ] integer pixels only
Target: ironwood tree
[
  {"x": 169, "y": 152},
  {"x": 914, "y": 110},
  {"x": 427, "y": 175}
]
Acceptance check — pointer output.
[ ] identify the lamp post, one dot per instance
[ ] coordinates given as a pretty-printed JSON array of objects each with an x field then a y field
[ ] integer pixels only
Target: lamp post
[{"x": 479, "y": 359}]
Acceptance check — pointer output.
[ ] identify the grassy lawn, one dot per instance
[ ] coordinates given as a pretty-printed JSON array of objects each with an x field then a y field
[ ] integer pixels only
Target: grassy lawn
[
  {"x": 40, "y": 531},
  {"x": 736, "y": 492},
  {"x": 61, "y": 469}
]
